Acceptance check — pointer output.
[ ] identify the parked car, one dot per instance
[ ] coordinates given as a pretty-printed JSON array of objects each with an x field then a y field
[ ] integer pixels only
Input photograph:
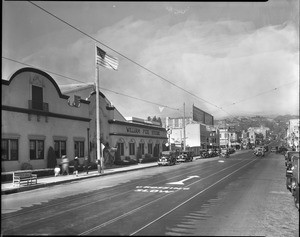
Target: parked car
[
  {"x": 259, "y": 151},
  {"x": 292, "y": 178},
  {"x": 167, "y": 158},
  {"x": 288, "y": 155},
  {"x": 295, "y": 179},
  {"x": 185, "y": 156},
  {"x": 282, "y": 150}
]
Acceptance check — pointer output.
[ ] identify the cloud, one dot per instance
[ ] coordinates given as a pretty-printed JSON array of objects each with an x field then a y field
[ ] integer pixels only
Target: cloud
[{"x": 220, "y": 62}]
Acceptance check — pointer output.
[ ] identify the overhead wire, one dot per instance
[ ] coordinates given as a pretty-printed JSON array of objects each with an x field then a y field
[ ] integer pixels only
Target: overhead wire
[
  {"x": 73, "y": 79},
  {"x": 148, "y": 70},
  {"x": 259, "y": 94}
]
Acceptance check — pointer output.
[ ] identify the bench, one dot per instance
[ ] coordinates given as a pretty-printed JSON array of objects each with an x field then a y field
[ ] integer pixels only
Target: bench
[{"x": 24, "y": 177}]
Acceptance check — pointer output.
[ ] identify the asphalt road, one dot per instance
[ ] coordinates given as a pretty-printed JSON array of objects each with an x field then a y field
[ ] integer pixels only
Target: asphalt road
[{"x": 205, "y": 197}]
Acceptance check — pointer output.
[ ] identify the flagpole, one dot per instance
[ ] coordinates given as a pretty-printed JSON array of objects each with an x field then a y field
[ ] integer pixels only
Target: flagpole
[{"x": 99, "y": 160}]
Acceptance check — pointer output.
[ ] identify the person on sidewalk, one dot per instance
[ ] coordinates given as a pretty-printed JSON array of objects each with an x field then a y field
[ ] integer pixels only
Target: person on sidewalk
[
  {"x": 86, "y": 164},
  {"x": 76, "y": 166},
  {"x": 65, "y": 165},
  {"x": 56, "y": 171}
]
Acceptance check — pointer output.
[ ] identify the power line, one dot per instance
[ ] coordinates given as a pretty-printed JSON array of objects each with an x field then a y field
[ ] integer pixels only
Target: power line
[
  {"x": 148, "y": 70},
  {"x": 147, "y": 101},
  {"x": 262, "y": 93}
]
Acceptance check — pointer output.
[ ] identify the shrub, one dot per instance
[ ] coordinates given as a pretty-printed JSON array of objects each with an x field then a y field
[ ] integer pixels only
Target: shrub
[
  {"x": 125, "y": 162},
  {"x": 148, "y": 158},
  {"x": 26, "y": 166}
]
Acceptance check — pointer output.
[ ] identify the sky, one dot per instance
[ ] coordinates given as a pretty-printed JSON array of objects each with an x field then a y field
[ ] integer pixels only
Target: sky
[{"x": 227, "y": 58}]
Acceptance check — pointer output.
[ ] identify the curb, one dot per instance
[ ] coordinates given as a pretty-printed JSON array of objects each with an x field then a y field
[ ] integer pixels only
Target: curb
[{"x": 42, "y": 185}]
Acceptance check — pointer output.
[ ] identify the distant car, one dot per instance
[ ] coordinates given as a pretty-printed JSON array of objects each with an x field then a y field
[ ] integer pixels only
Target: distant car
[
  {"x": 185, "y": 156},
  {"x": 167, "y": 158},
  {"x": 224, "y": 153},
  {"x": 273, "y": 149}
]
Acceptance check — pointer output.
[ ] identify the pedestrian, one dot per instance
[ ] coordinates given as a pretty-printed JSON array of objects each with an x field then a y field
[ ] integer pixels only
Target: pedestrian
[
  {"x": 56, "y": 171},
  {"x": 76, "y": 166},
  {"x": 65, "y": 165},
  {"x": 86, "y": 164}
]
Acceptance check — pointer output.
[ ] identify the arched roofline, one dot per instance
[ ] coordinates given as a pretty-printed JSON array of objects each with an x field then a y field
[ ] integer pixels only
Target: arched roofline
[{"x": 35, "y": 70}]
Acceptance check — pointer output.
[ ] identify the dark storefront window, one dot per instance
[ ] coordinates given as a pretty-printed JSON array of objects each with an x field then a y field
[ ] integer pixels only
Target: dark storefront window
[
  {"x": 120, "y": 149},
  {"x": 142, "y": 148},
  {"x": 9, "y": 149},
  {"x": 79, "y": 148},
  {"x": 60, "y": 148},
  {"x": 36, "y": 149},
  {"x": 131, "y": 148},
  {"x": 149, "y": 148}
]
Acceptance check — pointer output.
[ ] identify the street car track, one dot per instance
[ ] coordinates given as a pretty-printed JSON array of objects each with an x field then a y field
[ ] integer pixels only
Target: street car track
[
  {"x": 100, "y": 192},
  {"x": 87, "y": 232},
  {"x": 111, "y": 197}
]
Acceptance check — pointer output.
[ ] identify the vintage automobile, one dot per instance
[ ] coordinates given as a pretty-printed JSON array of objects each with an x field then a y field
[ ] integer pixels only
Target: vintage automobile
[
  {"x": 273, "y": 149},
  {"x": 259, "y": 151},
  {"x": 292, "y": 178},
  {"x": 224, "y": 153},
  {"x": 185, "y": 156},
  {"x": 288, "y": 155},
  {"x": 167, "y": 158}
]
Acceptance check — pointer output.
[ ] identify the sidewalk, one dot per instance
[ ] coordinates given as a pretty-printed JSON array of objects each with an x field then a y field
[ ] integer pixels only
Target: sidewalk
[{"x": 8, "y": 188}]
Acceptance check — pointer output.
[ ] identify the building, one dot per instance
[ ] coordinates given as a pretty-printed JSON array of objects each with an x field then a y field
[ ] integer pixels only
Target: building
[
  {"x": 37, "y": 114},
  {"x": 293, "y": 134},
  {"x": 198, "y": 136},
  {"x": 129, "y": 136}
]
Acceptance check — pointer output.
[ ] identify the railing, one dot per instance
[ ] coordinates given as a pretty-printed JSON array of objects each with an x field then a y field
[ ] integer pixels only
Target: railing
[{"x": 37, "y": 105}]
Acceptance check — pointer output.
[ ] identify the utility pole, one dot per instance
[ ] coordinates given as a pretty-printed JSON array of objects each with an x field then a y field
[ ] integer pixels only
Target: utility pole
[{"x": 184, "y": 126}]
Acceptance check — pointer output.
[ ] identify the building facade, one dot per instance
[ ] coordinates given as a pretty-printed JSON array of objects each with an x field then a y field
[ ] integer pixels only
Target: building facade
[{"x": 37, "y": 116}]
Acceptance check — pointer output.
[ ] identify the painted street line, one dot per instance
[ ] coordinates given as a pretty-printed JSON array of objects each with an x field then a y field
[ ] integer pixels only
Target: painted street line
[
  {"x": 154, "y": 189},
  {"x": 181, "y": 181}
]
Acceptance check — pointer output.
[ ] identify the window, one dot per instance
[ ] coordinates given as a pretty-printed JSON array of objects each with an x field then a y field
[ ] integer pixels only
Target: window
[
  {"x": 131, "y": 148},
  {"x": 79, "y": 148},
  {"x": 60, "y": 148},
  {"x": 9, "y": 149},
  {"x": 142, "y": 148},
  {"x": 120, "y": 147},
  {"x": 36, "y": 149},
  {"x": 149, "y": 148},
  {"x": 37, "y": 97}
]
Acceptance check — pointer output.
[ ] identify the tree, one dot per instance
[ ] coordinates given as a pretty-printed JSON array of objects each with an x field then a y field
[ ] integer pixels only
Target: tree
[{"x": 159, "y": 120}]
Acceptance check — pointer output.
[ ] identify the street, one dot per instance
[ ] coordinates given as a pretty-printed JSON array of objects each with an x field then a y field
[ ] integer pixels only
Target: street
[{"x": 239, "y": 195}]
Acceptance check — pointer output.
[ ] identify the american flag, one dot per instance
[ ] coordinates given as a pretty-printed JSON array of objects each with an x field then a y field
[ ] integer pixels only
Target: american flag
[{"x": 104, "y": 60}]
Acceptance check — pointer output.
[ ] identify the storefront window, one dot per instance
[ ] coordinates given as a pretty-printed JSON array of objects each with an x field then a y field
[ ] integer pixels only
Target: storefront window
[
  {"x": 149, "y": 148},
  {"x": 131, "y": 148}
]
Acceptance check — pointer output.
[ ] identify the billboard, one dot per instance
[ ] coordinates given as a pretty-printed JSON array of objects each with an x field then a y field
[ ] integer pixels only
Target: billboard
[{"x": 202, "y": 117}]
